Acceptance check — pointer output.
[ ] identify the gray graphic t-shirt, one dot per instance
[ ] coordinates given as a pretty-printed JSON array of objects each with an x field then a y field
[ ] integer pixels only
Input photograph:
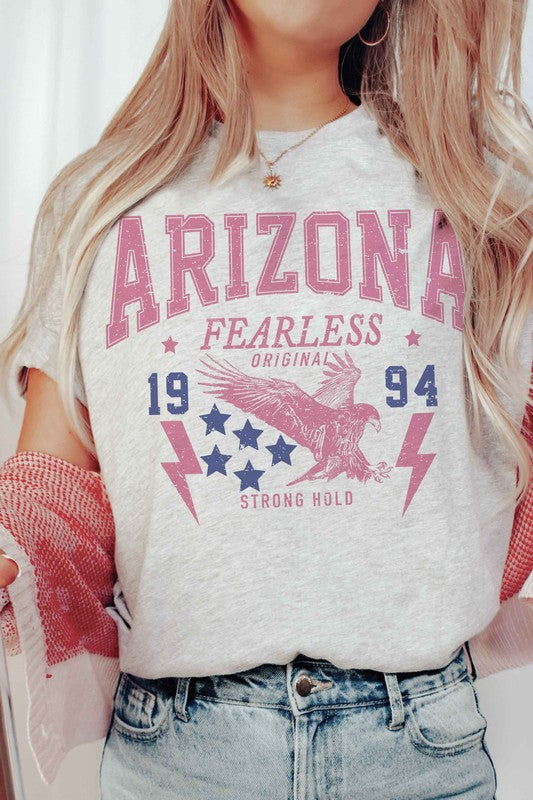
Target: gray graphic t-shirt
[{"x": 276, "y": 389}]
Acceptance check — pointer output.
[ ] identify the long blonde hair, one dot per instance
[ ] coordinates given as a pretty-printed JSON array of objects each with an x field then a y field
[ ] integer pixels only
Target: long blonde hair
[{"x": 435, "y": 87}]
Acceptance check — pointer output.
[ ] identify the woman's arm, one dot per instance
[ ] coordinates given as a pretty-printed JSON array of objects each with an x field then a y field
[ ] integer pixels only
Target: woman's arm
[
  {"x": 45, "y": 429},
  {"x": 45, "y": 426}
]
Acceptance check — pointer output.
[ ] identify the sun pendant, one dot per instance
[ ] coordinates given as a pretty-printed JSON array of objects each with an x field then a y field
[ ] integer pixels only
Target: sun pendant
[{"x": 272, "y": 181}]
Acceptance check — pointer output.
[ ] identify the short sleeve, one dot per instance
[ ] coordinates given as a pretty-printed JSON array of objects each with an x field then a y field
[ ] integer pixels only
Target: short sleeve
[
  {"x": 40, "y": 349},
  {"x": 40, "y": 346}
]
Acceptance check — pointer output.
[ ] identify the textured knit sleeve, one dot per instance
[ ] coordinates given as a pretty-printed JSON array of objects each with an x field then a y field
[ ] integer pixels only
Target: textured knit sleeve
[
  {"x": 56, "y": 521},
  {"x": 518, "y": 569},
  {"x": 507, "y": 642},
  {"x": 39, "y": 347}
]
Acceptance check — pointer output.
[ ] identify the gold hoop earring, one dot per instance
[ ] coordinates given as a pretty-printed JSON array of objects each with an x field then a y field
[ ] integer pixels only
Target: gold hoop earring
[{"x": 371, "y": 44}]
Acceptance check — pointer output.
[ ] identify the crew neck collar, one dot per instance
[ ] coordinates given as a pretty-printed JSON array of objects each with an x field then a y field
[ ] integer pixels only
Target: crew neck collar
[{"x": 331, "y": 129}]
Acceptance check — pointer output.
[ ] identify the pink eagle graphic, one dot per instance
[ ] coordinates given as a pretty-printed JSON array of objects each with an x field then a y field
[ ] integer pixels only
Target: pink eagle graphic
[{"x": 328, "y": 422}]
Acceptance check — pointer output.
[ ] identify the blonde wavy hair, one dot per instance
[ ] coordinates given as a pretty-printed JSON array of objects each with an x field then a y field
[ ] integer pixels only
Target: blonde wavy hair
[{"x": 436, "y": 88}]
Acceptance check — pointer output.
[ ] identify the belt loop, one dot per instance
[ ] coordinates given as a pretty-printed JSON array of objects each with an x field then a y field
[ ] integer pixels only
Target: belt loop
[
  {"x": 396, "y": 701},
  {"x": 180, "y": 698},
  {"x": 472, "y": 670}
]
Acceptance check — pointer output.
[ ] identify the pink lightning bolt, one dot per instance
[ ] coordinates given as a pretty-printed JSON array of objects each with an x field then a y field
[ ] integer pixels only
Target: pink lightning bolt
[
  {"x": 187, "y": 463},
  {"x": 410, "y": 457}
]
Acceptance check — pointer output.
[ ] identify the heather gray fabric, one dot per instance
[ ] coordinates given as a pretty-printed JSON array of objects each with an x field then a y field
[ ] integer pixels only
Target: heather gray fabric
[{"x": 276, "y": 390}]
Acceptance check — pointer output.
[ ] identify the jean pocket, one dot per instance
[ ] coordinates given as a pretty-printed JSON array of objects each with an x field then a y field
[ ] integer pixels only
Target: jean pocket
[
  {"x": 141, "y": 707},
  {"x": 446, "y": 721}
]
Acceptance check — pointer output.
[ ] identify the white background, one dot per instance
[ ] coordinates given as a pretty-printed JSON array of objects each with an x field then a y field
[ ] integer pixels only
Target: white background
[{"x": 66, "y": 65}]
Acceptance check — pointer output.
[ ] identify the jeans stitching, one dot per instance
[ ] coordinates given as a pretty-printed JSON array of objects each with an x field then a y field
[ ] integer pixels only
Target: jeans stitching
[{"x": 440, "y": 749}]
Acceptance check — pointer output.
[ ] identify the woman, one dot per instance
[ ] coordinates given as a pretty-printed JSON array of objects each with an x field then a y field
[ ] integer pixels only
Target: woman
[{"x": 309, "y": 429}]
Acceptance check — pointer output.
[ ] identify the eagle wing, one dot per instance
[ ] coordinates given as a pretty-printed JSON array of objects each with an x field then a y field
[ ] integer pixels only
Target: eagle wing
[
  {"x": 337, "y": 387},
  {"x": 279, "y": 403}
]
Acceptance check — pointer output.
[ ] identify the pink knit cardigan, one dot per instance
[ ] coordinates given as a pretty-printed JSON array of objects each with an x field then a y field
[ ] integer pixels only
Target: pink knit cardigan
[{"x": 56, "y": 521}]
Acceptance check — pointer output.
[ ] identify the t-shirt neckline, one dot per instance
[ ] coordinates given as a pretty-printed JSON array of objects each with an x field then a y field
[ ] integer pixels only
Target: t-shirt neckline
[{"x": 329, "y": 130}]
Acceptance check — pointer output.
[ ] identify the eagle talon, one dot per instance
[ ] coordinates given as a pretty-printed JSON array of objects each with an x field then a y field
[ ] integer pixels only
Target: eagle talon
[{"x": 377, "y": 471}]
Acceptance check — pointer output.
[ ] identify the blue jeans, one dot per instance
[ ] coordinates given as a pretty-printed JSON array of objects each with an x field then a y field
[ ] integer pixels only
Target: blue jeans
[{"x": 307, "y": 730}]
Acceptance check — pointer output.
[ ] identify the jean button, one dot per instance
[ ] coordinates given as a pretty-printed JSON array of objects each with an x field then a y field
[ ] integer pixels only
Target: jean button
[{"x": 303, "y": 685}]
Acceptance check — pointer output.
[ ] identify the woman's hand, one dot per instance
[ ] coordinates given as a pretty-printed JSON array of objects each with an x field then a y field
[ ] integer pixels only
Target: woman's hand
[{"x": 8, "y": 570}]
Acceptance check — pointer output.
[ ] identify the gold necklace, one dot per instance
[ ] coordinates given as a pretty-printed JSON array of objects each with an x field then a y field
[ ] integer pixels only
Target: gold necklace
[{"x": 272, "y": 180}]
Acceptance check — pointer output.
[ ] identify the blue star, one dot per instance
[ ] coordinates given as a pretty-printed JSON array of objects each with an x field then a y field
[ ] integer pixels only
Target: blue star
[
  {"x": 281, "y": 451},
  {"x": 216, "y": 461},
  {"x": 249, "y": 477},
  {"x": 248, "y": 436},
  {"x": 214, "y": 421}
]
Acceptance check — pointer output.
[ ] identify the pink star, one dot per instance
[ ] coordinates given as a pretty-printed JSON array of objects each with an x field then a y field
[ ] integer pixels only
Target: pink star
[
  {"x": 170, "y": 345},
  {"x": 412, "y": 337}
]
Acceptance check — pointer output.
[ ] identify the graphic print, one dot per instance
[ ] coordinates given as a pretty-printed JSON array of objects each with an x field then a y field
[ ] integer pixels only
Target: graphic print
[
  {"x": 329, "y": 423},
  {"x": 384, "y": 291},
  {"x": 186, "y": 463},
  {"x": 410, "y": 456}
]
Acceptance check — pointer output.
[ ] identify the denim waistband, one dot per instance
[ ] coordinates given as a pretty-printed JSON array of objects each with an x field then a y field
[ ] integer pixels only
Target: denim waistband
[
  {"x": 284, "y": 686},
  {"x": 304, "y": 684}
]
